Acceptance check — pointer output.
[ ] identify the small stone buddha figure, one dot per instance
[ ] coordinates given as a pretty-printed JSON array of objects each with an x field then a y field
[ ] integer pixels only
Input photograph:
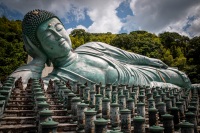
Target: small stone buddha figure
[{"x": 47, "y": 41}]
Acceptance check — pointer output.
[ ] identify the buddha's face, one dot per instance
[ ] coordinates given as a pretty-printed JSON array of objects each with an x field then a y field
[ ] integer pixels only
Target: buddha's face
[{"x": 54, "y": 39}]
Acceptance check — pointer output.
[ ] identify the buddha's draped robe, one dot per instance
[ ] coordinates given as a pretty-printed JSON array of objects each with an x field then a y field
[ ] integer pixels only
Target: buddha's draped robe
[{"x": 133, "y": 69}]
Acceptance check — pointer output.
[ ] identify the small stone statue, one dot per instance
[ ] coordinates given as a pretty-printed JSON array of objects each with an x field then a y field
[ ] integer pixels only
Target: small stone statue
[{"x": 46, "y": 41}]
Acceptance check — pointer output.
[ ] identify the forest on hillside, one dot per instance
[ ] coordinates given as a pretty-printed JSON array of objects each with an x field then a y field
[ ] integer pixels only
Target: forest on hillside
[{"x": 172, "y": 48}]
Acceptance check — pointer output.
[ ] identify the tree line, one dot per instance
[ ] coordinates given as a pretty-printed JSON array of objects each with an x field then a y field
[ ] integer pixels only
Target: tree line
[{"x": 172, "y": 48}]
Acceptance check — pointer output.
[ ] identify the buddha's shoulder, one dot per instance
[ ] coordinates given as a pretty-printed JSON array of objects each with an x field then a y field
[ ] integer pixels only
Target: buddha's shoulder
[{"x": 93, "y": 45}]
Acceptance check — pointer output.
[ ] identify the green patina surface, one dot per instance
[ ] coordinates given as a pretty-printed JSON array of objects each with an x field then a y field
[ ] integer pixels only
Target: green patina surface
[{"x": 46, "y": 40}]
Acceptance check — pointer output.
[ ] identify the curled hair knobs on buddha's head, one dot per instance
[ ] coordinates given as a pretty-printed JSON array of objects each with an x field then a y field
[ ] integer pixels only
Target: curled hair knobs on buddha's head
[{"x": 32, "y": 21}]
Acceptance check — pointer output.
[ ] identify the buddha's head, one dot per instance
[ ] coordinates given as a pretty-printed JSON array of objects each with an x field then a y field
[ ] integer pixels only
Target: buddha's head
[{"x": 47, "y": 33}]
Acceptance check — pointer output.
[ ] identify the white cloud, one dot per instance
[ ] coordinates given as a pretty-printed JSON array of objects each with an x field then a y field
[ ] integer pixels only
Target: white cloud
[
  {"x": 151, "y": 15},
  {"x": 194, "y": 29},
  {"x": 102, "y": 13},
  {"x": 161, "y": 15},
  {"x": 77, "y": 27},
  {"x": 104, "y": 17}
]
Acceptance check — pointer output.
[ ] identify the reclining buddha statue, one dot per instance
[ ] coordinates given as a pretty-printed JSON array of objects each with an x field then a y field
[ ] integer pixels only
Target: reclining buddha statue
[{"x": 47, "y": 41}]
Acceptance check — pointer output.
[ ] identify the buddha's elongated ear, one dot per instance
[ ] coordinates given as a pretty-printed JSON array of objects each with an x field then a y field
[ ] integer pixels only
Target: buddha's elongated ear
[
  {"x": 32, "y": 50},
  {"x": 27, "y": 47}
]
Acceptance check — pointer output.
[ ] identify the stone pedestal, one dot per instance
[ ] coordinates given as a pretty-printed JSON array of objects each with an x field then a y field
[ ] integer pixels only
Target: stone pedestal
[
  {"x": 93, "y": 87},
  {"x": 101, "y": 125},
  {"x": 141, "y": 98},
  {"x": 108, "y": 94},
  {"x": 81, "y": 108},
  {"x": 86, "y": 95},
  {"x": 92, "y": 98},
  {"x": 125, "y": 120},
  {"x": 157, "y": 99},
  {"x": 70, "y": 96},
  {"x": 90, "y": 117},
  {"x": 114, "y": 114},
  {"x": 184, "y": 103},
  {"x": 74, "y": 102},
  {"x": 191, "y": 117},
  {"x": 2, "y": 103},
  {"x": 44, "y": 116},
  {"x": 133, "y": 96},
  {"x": 173, "y": 99},
  {"x": 131, "y": 106},
  {"x": 156, "y": 129},
  {"x": 187, "y": 127},
  {"x": 41, "y": 105},
  {"x": 153, "y": 116},
  {"x": 74, "y": 87},
  {"x": 81, "y": 90},
  {"x": 168, "y": 104},
  {"x": 103, "y": 91},
  {"x": 139, "y": 124},
  {"x": 122, "y": 102},
  {"x": 149, "y": 95},
  {"x": 98, "y": 103},
  {"x": 181, "y": 109},
  {"x": 106, "y": 108},
  {"x": 114, "y": 97},
  {"x": 161, "y": 106},
  {"x": 141, "y": 109},
  {"x": 49, "y": 127},
  {"x": 97, "y": 88},
  {"x": 163, "y": 96},
  {"x": 176, "y": 118},
  {"x": 151, "y": 103},
  {"x": 120, "y": 91},
  {"x": 168, "y": 123},
  {"x": 126, "y": 93}
]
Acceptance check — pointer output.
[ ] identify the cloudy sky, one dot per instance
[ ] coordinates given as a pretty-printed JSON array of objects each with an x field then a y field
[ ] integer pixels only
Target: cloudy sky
[{"x": 119, "y": 16}]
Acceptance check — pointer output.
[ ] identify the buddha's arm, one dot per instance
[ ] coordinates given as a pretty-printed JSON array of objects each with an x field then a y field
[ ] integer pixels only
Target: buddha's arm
[
  {"x": 122, "y": 55},
  {"x": 30, "y": 70}
]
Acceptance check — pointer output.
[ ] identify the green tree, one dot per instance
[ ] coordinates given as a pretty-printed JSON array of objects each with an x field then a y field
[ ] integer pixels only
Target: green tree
[{"x": 12, "y": 54}]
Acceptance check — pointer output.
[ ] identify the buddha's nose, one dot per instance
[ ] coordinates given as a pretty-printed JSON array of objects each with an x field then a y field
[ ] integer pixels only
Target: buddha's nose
[{"x": 57, "y": 35}]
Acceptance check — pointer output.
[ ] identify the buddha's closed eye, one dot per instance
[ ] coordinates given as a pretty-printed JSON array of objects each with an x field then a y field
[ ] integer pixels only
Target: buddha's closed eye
[
  {"x": 48, "y": 35},
  {"x": 59, "y": 27}
]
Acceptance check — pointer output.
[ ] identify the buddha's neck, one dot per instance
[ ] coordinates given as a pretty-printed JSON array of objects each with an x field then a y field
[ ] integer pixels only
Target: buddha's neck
[{"x": 65, "y": 60}]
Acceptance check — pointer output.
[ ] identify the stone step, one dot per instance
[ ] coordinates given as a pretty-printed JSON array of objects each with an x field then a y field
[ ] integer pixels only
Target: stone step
[
  {"x": 56, "y": 107},
  {"x": 53, "y": 98},
  {"x": 27, "y": 96},
  {"x": 21, "y": 94},
  {"x": 29, "y": 99},
  {"x": 28, "y": 128},
  {"x": 18, "y": 89},
  {"x": 55, "y": 102},
  {"x": 19, "y": 113},
  {"x": 20, "y": 98},
  {"x": 67, "y": 132},
  {"x": 60, "y": 112},
  {"x": 62, "y": 119},
  {"x": 19, "y": 107},
  {"x": 21, "y": 91},
  {"x": 17, "y": 120},
  {"x": 20, "y": 102},
  {"x": 50, "y": 92},
  {"x": 66, "y": 127},
  {"x": 50, "y": 97}
]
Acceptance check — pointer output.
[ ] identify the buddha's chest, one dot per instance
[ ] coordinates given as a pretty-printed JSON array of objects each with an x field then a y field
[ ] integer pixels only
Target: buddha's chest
[{"x": 94, "y": 69}]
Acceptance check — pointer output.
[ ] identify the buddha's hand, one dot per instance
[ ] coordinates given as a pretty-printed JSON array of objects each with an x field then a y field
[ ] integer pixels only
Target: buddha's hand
[
  {"x": 34, "y": 51},
  {"x": 157, "y": 63}
]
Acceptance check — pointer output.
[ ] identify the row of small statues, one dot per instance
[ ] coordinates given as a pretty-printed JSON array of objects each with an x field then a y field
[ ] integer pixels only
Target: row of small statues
[
  {"x": 102, "y": 101},
  {"x": 128, "y": 104}
]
